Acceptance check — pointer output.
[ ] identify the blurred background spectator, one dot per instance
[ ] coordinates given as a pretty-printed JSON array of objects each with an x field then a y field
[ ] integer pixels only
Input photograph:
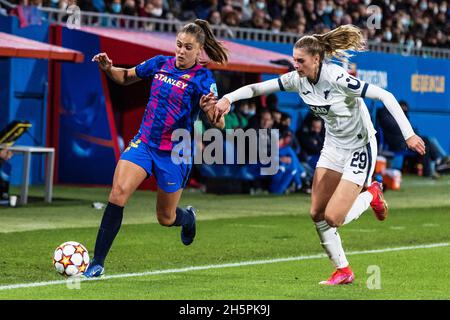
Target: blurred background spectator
[{"x": 391, "y": 139}]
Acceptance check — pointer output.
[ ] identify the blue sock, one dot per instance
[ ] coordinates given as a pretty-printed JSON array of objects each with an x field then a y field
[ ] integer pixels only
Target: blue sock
[
  {"x": 109, "y": 227},
  {"x": 183, "y": 217}
]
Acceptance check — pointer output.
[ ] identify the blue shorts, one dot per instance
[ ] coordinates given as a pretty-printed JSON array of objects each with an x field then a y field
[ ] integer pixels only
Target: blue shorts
[{"x": 170, "y": 177}]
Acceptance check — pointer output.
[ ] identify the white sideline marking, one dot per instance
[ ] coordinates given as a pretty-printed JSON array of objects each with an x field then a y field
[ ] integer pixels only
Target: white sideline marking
[
  {"x": 397, "y": 228},
  {"x": 430, "y": 225},
  {"x": 361, "y": 230},
  {"x": 219, "y": 266}
]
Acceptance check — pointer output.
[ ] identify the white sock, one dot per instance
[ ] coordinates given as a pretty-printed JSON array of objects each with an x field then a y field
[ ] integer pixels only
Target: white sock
[
  {"x": 361, "y": 204},
  {"x": 331, "y": 242}
]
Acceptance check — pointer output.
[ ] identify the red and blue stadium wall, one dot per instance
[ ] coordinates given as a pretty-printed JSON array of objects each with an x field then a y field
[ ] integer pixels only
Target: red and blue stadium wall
[
  {"x": 93, "y": 111},
  {"x": 67, "y": 104},
  {"x": 84, "y": 120},
  {"x": 23, "y": 96}
]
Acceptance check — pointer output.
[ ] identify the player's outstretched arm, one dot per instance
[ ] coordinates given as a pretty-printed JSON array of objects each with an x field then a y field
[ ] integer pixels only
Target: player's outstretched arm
[
  {"x": 246, "y": 92},
  {"x": 119, "y": 75},
  {"x": 208, "y": 104},
  {"x": 413, "y": 141}
]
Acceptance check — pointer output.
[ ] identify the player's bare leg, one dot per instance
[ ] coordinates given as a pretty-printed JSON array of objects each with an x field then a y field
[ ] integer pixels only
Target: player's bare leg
[
  {"x": 169, "y": 214},
  {"x": 127, "y": 177},
  {"x": 325, "y": 183},
  {"x": 341, "y": 202}
]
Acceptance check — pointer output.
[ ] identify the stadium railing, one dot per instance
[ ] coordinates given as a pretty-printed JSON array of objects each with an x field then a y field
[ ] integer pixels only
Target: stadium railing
[{"x": 96, "y": 19}]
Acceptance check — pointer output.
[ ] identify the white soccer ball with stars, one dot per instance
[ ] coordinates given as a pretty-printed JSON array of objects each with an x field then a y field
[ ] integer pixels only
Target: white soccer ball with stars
[{"x": 71, "y": 259}]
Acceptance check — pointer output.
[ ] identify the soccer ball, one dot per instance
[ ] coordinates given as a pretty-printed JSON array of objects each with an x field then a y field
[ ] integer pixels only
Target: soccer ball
[{"x": 71, "y": 259}]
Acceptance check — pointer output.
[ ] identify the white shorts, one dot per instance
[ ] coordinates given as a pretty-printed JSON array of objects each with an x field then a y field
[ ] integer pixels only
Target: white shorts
[{"x": 356, "y": 165}]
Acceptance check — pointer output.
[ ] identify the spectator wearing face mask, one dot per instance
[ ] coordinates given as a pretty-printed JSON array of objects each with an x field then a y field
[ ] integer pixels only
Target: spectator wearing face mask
[
  {"x": 250, "y": 111},
  {"x": 276, "y": 25},
  {"x": 116, "y": 7},
  {"x": 153, "y": 9},
  {"x": 237, "y": 118},
  {"x": 247, "y": 109},
  {"x": 324, "y": 13}
]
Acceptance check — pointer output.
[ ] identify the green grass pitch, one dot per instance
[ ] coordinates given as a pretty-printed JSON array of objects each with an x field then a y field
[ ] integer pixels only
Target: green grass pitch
[{"x": 247, "y": 247}]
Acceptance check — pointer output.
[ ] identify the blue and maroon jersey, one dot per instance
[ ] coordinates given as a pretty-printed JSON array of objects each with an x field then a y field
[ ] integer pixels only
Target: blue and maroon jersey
[{"x": 174, "y": 99}]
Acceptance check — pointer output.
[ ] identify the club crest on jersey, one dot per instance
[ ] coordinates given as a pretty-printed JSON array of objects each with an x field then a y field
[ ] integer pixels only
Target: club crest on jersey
[
  {"x": 320, "y": 110},
  {"x": 326, "y": 93},
  {"x": 166, "y": 79},
  {"x": 186, "y": 76}
]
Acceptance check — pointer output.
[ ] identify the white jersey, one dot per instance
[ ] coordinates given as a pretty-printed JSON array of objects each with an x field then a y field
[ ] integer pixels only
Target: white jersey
[{"x": 337, "y": 98}]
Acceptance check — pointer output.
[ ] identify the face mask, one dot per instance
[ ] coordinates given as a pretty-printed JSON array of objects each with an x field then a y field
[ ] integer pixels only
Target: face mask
[
  {"x": 410, "y": 43},
  {"x": 275, "y": 30},
  {"x": 250, "y": 113},
  {"x": 261, "y": 5},
  {"x": 338, "y": 13},
  {"x": 55, "y": 1},
  {"x": 328, "y": 9},
  {"x": 419, "y": 43},
  {"x": 443, "y": 8},
  {"x": 116, "y": 7},
  {"x": 379, "y": 17},
  {"x": 405, "y": 22},
  {"x": 245, "y": 3},
  {"x": 157, "y": 12},
  {"x": 423, "y": 6},
  {"x": 425, "y": 26},
  {"x": 388, "y": 36}
]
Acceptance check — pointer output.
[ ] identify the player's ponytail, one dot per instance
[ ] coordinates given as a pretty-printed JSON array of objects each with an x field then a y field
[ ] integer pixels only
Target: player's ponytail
[
  {"x": 204, "y": 35},
  {"x": 334, "y": 42}
]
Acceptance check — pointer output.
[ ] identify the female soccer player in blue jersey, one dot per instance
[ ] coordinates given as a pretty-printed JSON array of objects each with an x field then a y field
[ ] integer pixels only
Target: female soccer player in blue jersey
[{"x": 180, "y": 87}]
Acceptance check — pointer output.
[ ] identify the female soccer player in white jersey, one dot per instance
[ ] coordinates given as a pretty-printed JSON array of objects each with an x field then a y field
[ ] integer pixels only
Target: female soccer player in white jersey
[{"x": 347, "y": 159}]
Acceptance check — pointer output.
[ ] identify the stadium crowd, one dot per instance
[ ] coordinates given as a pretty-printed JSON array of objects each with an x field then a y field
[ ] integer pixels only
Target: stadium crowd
[
  {"x": 301, "y": 144},
  {"x": 413, "y": 23}
]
